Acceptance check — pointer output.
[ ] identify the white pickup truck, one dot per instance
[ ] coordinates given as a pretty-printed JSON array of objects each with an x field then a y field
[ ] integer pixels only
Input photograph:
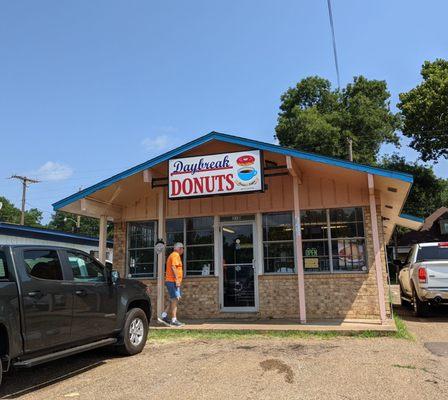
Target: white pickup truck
[{"x": 423, "y": 277}]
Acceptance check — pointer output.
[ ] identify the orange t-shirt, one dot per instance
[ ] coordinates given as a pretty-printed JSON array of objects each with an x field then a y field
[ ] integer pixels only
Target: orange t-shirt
[{"x": 175, "y": 260}]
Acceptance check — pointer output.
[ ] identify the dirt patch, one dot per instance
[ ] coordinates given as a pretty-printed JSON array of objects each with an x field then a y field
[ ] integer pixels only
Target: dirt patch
[
  {"x": 279, "y": 366},
  {"x": 438, "y": 348}
]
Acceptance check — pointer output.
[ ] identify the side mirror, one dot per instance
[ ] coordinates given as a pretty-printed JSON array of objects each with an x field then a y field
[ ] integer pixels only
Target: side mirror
[{"x": 115, "y": 276}]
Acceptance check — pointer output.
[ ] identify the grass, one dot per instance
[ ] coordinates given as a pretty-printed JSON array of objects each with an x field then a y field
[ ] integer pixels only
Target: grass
[{"x": 164, "y": 335}]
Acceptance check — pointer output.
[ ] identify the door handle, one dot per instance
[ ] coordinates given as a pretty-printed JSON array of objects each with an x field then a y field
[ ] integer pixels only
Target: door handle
[
  {"x": 36, "y": 293},
  {"x": 80, "y": 292}
]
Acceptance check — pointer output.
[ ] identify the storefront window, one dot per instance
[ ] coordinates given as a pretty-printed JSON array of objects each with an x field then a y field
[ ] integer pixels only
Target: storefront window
[
  {"x": 141, "y": 254},
  {"x": 278, "y": 243},
  {"x": 341, "y": 230},
  {"x": 197, "y": 235}
]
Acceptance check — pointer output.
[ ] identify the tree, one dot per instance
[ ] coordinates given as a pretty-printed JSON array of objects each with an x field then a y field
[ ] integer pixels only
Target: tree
[
  {"x": 428, "y": 191},
  {"x": 10, "y": 213},
  {"x": 313, "y": 117},
  {"x": 425, "y": 112}
]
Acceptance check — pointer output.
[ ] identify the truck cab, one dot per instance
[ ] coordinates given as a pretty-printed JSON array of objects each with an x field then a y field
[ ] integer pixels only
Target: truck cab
[
  {"x": 423, "y": 277},
  {"x": 57, "y": 301}
]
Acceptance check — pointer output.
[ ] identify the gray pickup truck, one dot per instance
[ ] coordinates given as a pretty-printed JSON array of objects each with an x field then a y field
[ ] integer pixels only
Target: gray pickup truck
[
  {"x": 423, "y": 277},
  {"x": 55, "y": 302}
]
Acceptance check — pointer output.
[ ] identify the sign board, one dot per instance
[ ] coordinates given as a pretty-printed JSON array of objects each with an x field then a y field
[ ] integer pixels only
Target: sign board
[
  {"x": 210, "y": 175},
  {"x": 311, "y": 263}
]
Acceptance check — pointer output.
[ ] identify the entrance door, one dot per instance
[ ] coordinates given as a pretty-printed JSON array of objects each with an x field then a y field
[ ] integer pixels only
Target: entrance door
[{"x": 238, "y": 268}]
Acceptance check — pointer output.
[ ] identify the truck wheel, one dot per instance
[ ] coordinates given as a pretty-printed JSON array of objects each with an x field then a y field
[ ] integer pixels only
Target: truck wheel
[
  {"x": 404, "y": 300},
  {"x": 420, "y": 307},
  {"x": 134, "y": 333}
]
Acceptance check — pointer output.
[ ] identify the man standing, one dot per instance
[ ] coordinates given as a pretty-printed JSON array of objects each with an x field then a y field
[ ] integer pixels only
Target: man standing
[{"x": 173, "y": 280}]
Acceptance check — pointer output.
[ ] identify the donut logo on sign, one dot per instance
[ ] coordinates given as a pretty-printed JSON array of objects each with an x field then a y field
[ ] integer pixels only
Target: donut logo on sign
[{"x": 246, "y": 172}]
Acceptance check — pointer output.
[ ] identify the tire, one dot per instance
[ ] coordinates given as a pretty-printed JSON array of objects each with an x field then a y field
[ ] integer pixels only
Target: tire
[
  {"x": 421, "y": 308},
  {"x": 405, "y": 302},
  {"x": 134, "y": 333},
  {"x": 1, "y": 372}
]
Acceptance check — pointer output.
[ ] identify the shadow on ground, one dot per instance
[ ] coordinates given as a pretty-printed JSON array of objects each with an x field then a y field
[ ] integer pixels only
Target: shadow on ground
[{"x": 19, "y": 382}]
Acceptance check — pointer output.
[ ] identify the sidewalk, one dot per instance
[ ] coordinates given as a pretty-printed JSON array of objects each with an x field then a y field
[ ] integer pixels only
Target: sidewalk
[{"x": 343, "y": 326}]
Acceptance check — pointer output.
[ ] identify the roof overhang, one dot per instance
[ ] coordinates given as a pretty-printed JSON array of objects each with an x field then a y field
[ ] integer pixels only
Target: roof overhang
[
  {"x": 410, "y": 221},
  {"x": 103, "y": 198}
]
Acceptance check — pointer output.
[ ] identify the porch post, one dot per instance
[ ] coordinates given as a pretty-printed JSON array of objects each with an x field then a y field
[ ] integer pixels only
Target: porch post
[
  {"x": 376, "y": 247},
  {"x": 296, "y": 180},
  {"x": 161, "y": 256},
  {"x": 102, "y": 245}
]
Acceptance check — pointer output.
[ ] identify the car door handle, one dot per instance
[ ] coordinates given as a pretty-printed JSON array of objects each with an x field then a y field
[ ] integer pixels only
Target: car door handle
[
  {"x": 80, "y": 292},
  {"x": 36, "y": 293}
]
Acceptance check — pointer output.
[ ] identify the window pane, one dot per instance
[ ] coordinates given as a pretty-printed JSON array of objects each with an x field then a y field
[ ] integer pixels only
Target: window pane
[
  {"x": 43, "y": 264},
  {"x": 314, "y": 231},
  {"x": 3, "y": 270},
  {"x": 141, "y": 234},
  {"x": 277, "y": 226},
  {"x": 348, "y": 255},
  {"x": 315, "y": 256},
  {"x": 314, "y": 217},
  {"x": 85, "y": 268},
  {"x": 346, "y": 214},
  {"x": 203, "y": 268},
  {"x": 199, "y": 223},
  {"x": 200, "y": 237},
  {"x": 279, "y": 250},
  {"x": 174, "y": 231},
  {"x": 347, "y": 229},
  {"x": 276, "y": 265},
  {"x": 141, "y": 263},
  {"x": 200, "y": 253}
]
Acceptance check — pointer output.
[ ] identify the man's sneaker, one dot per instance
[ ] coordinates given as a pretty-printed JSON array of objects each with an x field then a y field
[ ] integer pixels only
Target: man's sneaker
[
  {"x": 177, "y": 324},
  {"x": 165, "y": 321}
]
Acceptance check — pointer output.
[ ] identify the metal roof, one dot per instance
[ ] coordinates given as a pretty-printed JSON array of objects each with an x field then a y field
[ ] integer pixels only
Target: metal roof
[
  {"x": 255, "y": 144},
  {"x": 48, "y": 234}
]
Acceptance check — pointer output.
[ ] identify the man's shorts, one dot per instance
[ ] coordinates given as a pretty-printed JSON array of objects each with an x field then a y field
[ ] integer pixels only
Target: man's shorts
[{"x": 173, "y": 290}]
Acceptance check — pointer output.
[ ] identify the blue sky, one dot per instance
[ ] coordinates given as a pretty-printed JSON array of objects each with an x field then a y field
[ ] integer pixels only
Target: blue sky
[{"x": 89, "y": 88}]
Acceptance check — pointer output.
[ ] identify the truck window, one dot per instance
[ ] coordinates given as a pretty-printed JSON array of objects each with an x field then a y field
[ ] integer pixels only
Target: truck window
[
  {"x": 85, "y": 268},
  {"x": 3, "y": 269},
  {"x": 429, "y": 253},
  {"x": 43, "y": 264}
]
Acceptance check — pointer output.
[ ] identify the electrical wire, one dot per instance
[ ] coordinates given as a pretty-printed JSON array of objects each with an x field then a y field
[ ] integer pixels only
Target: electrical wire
[{"x": 330, "y": 14}]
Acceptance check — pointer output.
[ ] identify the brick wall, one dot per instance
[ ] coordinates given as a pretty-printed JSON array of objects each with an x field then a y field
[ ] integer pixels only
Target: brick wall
[{"x": 327, "y": 295}]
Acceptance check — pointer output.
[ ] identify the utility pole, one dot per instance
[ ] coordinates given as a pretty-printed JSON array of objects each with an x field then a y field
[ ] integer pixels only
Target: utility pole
[
  {"x": 350, "y": 148},
  {"x": 25, "y": 183}
]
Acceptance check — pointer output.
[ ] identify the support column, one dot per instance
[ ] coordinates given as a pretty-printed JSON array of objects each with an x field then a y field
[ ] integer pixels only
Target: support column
[
  {"x": 102, "y": 248},
  {"x": 296, "y": 180},
  {"x": 161, "y": 256},
  {"x": 376, "y": 247}
]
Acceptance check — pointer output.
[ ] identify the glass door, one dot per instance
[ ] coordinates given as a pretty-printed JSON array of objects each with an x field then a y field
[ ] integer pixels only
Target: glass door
[{"x": 238, "y": 269}]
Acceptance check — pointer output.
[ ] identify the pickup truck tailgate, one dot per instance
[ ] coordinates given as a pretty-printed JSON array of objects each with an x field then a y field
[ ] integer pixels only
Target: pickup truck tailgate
[{"x": 437, "y": 274}]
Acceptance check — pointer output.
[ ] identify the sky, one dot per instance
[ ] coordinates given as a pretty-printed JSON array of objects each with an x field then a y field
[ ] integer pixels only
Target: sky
[{"x": 90, "y": 88}]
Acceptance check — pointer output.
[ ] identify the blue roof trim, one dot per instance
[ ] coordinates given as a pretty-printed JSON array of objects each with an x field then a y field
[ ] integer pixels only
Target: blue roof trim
[
  {"x": 234, "y": 140},
  {"x": 24, "y": 231},
  {"x": 412, "y": 218}
]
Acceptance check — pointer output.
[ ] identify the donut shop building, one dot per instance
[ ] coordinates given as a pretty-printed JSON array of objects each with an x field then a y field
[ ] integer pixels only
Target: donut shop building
[{"x": 269, "y": 232}]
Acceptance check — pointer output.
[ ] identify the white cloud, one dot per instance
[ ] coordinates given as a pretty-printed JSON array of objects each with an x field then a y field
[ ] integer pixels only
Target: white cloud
[
  {"x": 155, "y": 143},
  {"x": 53, "y": 171}
]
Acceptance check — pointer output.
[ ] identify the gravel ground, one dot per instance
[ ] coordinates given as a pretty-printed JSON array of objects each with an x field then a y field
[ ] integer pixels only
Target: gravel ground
[{"x": 341, "y": 368}]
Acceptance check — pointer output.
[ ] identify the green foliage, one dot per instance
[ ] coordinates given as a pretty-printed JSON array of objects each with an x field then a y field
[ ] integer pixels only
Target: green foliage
[
  {"x": 67, "y": 222},
  {"x": 313, "y": 117},
  {"x": 10, "y": 213},
  {"x": 424, "y": 111},
  {"x": 428, "y": 191}
]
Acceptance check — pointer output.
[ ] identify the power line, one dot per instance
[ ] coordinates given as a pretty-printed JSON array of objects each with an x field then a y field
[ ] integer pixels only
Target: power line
[
  {"x": 25, "y": 183},
  {"x": 330, "y": 14}
]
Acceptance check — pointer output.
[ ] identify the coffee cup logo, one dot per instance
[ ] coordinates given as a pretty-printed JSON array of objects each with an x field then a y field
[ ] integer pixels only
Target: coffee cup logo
[{"x": 246, "y": 172}]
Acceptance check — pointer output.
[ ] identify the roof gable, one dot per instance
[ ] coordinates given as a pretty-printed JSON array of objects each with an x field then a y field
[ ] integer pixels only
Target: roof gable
[{"x": 255, "y": 144}]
